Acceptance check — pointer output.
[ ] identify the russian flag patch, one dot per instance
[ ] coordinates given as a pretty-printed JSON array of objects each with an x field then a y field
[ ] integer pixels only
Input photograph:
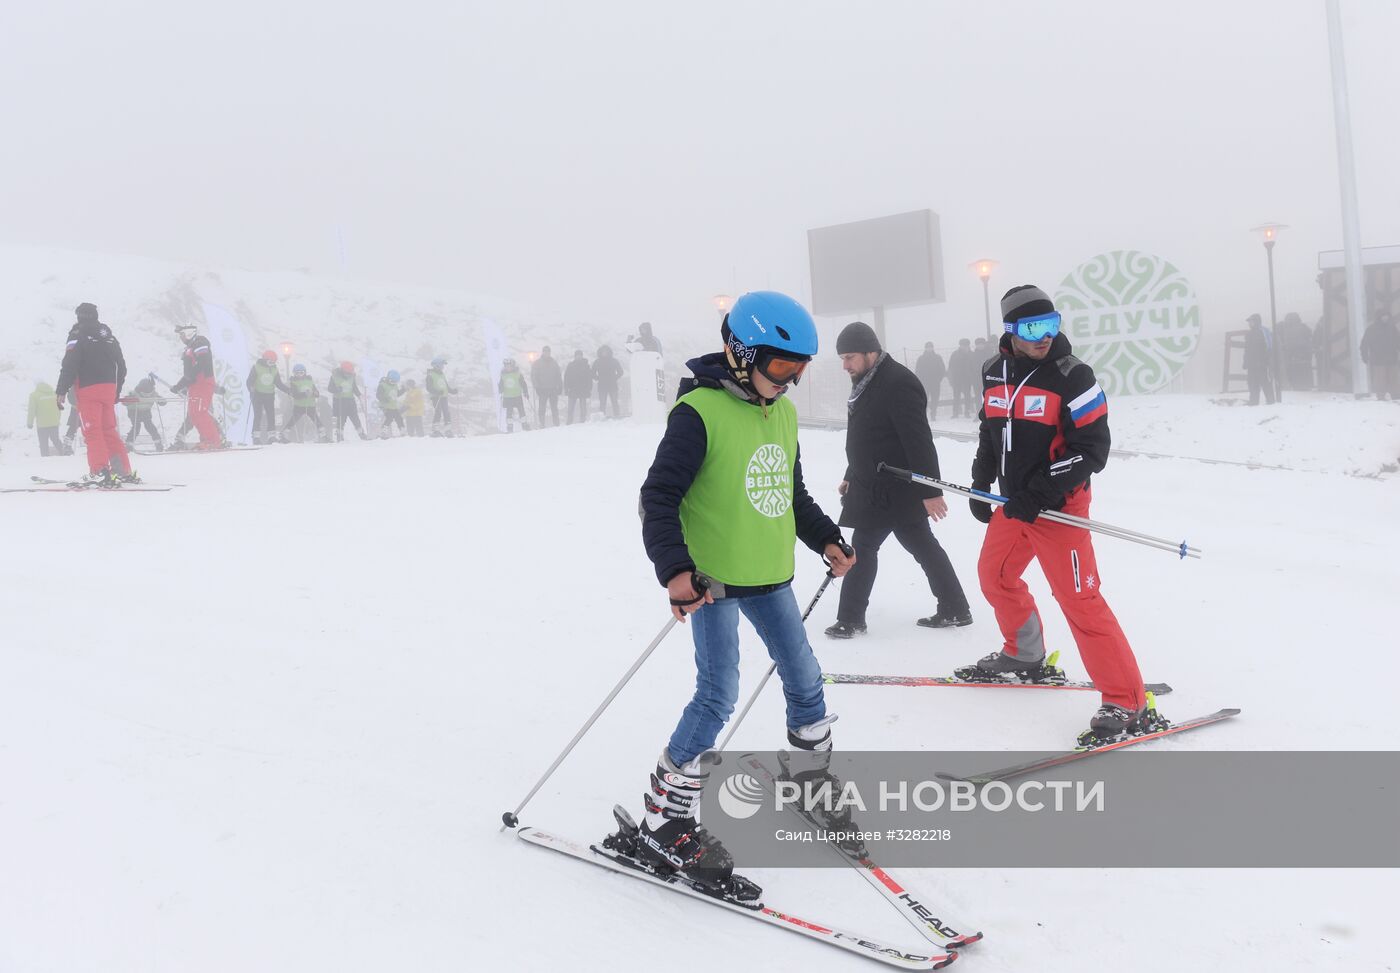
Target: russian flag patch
[{"x": 1089, "y": 406}]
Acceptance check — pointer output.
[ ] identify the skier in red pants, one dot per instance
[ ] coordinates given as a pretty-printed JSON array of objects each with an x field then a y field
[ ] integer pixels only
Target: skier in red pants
[
  {"x": 1044, "y": 433},
  {"x": 94, "y": 368},
  {"x": 198, "y": 361}
]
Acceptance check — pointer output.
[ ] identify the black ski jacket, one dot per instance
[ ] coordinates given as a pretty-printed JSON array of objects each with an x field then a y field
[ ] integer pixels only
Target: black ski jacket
[
  {"x": 198, "y": 360},
  {"x": 1044, "y": 424},
  {"x": 93, "y": 357}
]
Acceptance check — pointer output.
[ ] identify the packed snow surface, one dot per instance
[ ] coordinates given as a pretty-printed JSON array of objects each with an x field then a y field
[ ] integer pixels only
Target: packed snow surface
[{"x": 270, "y": 720}]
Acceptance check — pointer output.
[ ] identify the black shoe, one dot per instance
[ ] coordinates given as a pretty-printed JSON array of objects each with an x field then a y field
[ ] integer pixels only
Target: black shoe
[
  {"x": 947, "y": 619},
  {"x": 845, "y": 630},
  {"x": 996, "y": 666},
  {"x": 1112, "y": 723}
]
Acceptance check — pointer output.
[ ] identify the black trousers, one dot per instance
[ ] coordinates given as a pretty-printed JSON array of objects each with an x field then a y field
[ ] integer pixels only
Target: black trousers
[
  {"x": 1259, "y": 379},
  {"x": 264, "y": 415},
  {"x": 606, "y": 392},
  {"x": 543, "y": 399},
  {"x": 916, "y": 538},
  {"x": 344, "y": 409},
  {"x": 579, "y": 402},
  {"x": 137, "y": 423}
]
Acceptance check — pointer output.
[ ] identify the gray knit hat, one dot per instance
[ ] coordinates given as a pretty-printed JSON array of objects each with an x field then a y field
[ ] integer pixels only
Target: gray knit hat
[
  {"x": 1025, "y": 301},
  {"x": 857, "y": 337}
]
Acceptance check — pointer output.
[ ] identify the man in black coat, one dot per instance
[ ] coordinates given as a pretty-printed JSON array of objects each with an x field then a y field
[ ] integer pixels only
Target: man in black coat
[
  {"x": 931, "y": 370},
  {"x": 961, "y": 368},
  {"x": 1258, "y": 358},
  {"x": 888, "y": 423}
]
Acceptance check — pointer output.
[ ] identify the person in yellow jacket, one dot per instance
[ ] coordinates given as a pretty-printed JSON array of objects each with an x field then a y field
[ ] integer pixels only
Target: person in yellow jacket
[
  {"x": 43, "y": 411},
  {"x": 414, "y": 405}
]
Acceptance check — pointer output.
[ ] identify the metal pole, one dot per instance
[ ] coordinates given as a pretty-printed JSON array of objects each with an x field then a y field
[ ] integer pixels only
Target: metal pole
[
  {"x": 880, "y": 328},
  {"x": 987, "y": 305},
  {"x": 1273, "y": 324},
  {"x": 511, "y": 818},
  {"x": 1346, "y": 172}
]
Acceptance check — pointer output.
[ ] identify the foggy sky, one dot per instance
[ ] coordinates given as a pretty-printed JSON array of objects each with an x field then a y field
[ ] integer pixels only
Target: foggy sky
[{"x": 623, "y": 161}]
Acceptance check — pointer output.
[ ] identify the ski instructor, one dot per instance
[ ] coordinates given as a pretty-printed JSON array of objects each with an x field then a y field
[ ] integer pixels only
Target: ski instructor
[
  {"x": 722, "y": 508},
  {"x": 1044, "y": 432}
]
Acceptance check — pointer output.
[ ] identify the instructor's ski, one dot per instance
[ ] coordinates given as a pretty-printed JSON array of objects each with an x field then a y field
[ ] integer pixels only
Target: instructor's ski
[
  {"x": 860, "y": 945},
  {"x": 994, "y": 682},
  {"x": 1079, "y": 753},
  {"x": 932, "y": 927},
  {"x": 71, "y": 483}
]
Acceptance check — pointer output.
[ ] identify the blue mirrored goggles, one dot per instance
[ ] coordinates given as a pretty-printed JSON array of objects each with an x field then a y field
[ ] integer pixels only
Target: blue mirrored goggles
[{"x": 1038, "y": 328}]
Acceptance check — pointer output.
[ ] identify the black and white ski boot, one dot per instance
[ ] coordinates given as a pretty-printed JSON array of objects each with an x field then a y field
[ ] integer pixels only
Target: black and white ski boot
[
  {"x": 670, "y": 839},
  {"x": 1113, "y": 723},
  {"x": 998, "y": 667},
  {"x": 103, "y": 479},
  {"x": 808, "y": 764}
]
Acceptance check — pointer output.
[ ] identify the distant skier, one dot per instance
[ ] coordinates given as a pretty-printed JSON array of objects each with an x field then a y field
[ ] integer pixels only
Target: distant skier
[
  {"x": 139, "y": 405},
  {"x": 264, "y": 382},
  {"x": 931, "y": 371},
  {"x": 513, "y": 390},
  {"x": 386, "y": 394},
  {"x": 345, "y": 391},
  {"x": 438, "y": 390},
  {"x": 549, "y": 385},
  {"x": 44, "y": 413},
  {"x": 606, "y": 372},
  {"x": 962, "y": 378},
  {"x": 414, "y": 408},
  {"x": 304, "y": 399},
  {"x": 1044, "y": 432},
  {"x": 1259, "y": 360},
  {"x": 198, "y": 384},
  {"x": 93, "y": 366},
  {"x": 578, "y": 385},
  {"x": 724, "y": 500}
]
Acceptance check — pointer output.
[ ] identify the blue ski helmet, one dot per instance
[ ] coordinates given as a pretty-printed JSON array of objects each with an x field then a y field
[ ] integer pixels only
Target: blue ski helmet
[
  {"x": 767, "y": 319},
  {"x": 439, "y": 361},
  {"x": 299, "y": 370},
  {"x": 393, "y": 375}
]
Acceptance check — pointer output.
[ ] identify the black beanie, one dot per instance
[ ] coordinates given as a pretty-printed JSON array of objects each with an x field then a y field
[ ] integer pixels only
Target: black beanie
[
  {"x": 1025, "y": 301},
  {"x": 86, "y": 312},
  {"x": 857, "y": 337}
]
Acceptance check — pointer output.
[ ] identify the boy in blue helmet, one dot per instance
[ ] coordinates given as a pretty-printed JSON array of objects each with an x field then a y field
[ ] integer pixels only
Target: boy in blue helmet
[
  {"x": 722, "y": 508},
  {"x": 386, "y": 394},
  {"x": 304, "y": 395}
]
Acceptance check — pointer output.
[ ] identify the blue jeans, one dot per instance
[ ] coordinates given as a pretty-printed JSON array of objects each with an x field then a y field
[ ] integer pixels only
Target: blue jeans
[{"x": 716, "y": 631}]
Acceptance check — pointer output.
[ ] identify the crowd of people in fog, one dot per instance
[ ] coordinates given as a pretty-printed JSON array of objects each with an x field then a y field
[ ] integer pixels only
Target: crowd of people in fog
[{"x": 93, "y": 377}]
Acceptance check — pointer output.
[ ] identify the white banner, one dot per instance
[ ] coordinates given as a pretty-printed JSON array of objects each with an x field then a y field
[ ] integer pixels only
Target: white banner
[
  {"x": 496, "y": 349},
  {"x": 232, "y": 360}
]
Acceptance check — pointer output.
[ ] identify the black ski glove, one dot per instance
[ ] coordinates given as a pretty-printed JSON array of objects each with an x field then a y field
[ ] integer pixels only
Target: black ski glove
[
  {"x": 1023, "y": 506},
  {"x": 981, "y": 509}
]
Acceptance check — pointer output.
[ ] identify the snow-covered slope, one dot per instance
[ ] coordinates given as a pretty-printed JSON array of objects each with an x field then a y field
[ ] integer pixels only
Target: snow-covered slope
[{"x": 269, "y": 721}]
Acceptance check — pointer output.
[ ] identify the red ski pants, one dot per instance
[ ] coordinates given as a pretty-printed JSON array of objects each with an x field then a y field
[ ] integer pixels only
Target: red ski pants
[
  {"x": 97, "y": 408},
  {"x": 1066, "y": 555},
  {"x": 200, "y": 399}
]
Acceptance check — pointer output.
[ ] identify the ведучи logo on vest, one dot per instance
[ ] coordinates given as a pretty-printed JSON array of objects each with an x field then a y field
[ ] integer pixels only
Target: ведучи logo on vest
[{"x": 768, "y": 480}]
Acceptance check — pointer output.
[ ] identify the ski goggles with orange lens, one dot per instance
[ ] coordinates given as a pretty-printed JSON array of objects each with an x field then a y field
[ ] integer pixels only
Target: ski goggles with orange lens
[
  {"x": 1038, "y": 328},
  {"x": 781, "y": 371}
]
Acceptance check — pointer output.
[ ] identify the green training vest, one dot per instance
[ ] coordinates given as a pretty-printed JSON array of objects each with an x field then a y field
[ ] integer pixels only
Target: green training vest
[
  {"x": 342, "y": 385},
  {"x": 737, "y": 515},
  {"x": 510, "y": 385},
  {"x": 264, "y": 378},
  {"x": 303, "y": 391}
]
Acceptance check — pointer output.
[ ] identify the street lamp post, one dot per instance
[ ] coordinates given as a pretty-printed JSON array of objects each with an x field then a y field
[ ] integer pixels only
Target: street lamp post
[
  {"x": 722, "y": 302},
  {"x": 984, "y": 268},
  {"x": 287, "y": 357},
  {"x": 1269, "y": 233}
]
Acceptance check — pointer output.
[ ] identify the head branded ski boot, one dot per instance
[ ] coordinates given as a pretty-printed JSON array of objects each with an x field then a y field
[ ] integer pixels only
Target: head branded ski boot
[
  {"x": 670, "y": 839},
  {"x": 808, "y": 764}
]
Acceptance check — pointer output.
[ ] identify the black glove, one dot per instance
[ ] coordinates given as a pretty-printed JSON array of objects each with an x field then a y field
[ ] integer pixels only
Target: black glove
[
  {"x": 1023, "y": 506},
  {"x": 981, "y": 509}
]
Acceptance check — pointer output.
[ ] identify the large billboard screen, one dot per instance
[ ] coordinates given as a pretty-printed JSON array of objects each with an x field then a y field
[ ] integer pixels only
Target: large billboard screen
[{"x": 885, "y": 262}]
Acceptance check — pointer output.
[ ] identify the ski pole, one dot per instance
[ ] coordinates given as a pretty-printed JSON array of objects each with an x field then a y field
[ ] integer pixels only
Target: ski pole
[
  {"x": 512, "y": 818},
  {"x": 1181, "y": 549},
  {"x": 733, "y": 727}
]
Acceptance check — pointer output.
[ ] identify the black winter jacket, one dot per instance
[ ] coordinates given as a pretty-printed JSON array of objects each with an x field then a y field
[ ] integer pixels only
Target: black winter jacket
[
  {"x": 889, "y": 424},
  {"x": 578, "y": 378},
  {"x": 678, "y": 460},
  {"x": 93, "y": 357},
  {"x": 198, "y": 360},
  {"x": 1058, "y": 435}
]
